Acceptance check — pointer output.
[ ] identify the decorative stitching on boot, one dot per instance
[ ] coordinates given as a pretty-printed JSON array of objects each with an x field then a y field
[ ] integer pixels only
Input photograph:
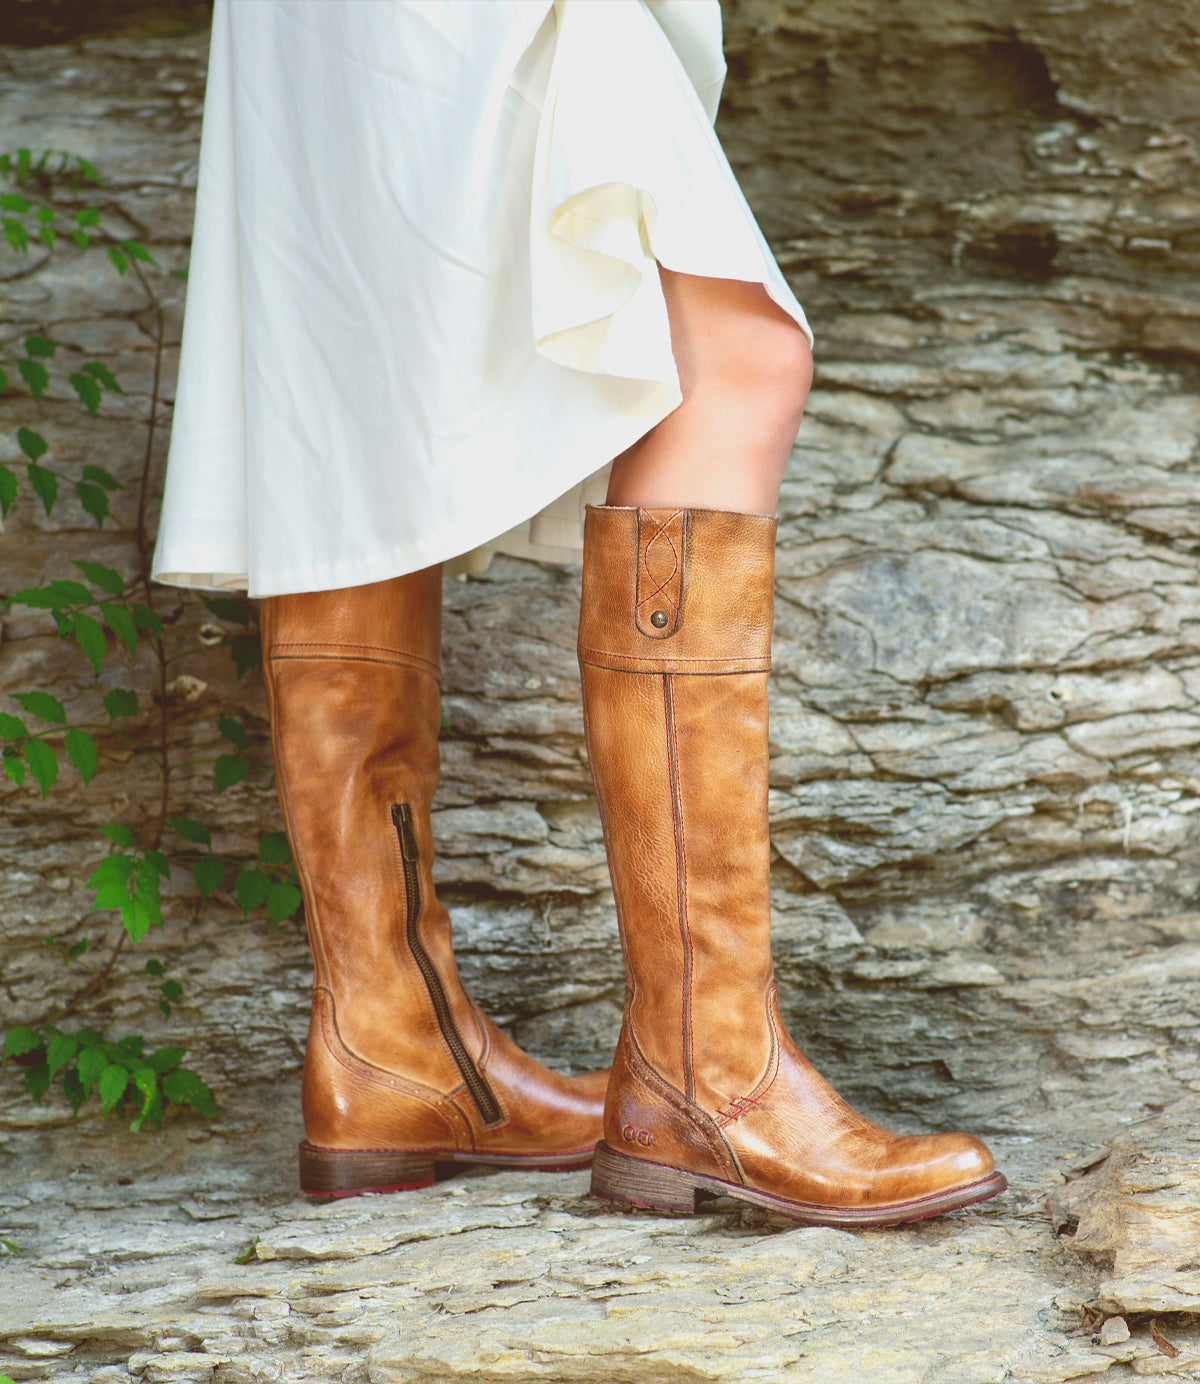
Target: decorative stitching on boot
[
  {"x": 660, "y": 560},
  {"x": 735, "y": 1110}
]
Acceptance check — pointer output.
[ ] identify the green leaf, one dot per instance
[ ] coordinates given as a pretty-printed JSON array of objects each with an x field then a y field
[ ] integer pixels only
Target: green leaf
[
  {"x": 37, "y": 1080},
  {"x": 77, "y": 950},
  {"x": 11, "y": 727},
  {"x": 36, "y": 376},
  {"x": 99, "y": 476},
  {"x": 152, "y": 1110},
  {"x": 114, "y": 1080},
  {"x": 209, "y": 874},
  {"x": 45, "y": 484},
  {"x": 154, "y": 967},
  {"x": 45, "y": 215},
  {"x": 88, "y": 171},
  {"x": 118, "y": 258},
  {"x": 16, "y": 234},
  {"x": 135, "y": 250},
  {"x": 184, "y": 1087},
  {"x": 33, "y": 444},
  {"x": 252, "y": 890},
  {"x": 8, "y": 486},
  {"x": 88, "y": 390},
  {"x": 11, "y": 201},
  {"x": 235, "y": 731},
  {"x": 43, "y": 706},
  {"x": 88, "y": 216},
  {"x": 145, "y": 619},
  {"x": 102, "y": 375},
  {"x": 228, "y": 770},
  {"x": 14, "y": 768},
  {"x": 110, "y": 879},
  {"x": 82, "y": 752},
  {"x": 41, "y": 347},
  {"x": 190, "y": 830},
  {"x": 56, "y": 595},
  {"x": 156, "y": 863},
  {"x": 231, "y": 608},
  {"x": 165, "y": 1059},
  {"x": 43, "y": 764},
  {"x": 48, "y": 237},
  {"x": 131, "y": 1047},
  {"x": 73, "y": 1090},
  {"x": 146, "y": 1081},
  {"x": 273, "y": 848},
  {"x": 92, "y": 1063},
  {"x": 119, "y": 620},
  {"x": 246, "y": 652},
  {"x": 104, "y": 577},
  {"x": 119, "y": 835},
  {"x": 60, "y": 1049},
  {"x": 20, "y": 1041},
  {"x": 90, "y": 638},
  {"x": 93, "y": 501},
  {"x": 81, "y": 238},
  {"x": 120, "y": 702},
  {"x": 282, "y": 901}
]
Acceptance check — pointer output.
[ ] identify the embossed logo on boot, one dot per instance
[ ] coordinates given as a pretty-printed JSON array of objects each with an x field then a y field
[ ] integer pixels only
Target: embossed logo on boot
[{"x": 632, "y": 1135}]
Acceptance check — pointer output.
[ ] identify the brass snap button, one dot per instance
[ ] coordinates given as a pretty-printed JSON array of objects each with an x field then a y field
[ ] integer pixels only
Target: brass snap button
[{"x": 658, "y": 619}]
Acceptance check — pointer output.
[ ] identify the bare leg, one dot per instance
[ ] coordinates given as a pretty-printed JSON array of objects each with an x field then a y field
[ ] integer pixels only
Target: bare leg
[{"x": 745, "y": 370}]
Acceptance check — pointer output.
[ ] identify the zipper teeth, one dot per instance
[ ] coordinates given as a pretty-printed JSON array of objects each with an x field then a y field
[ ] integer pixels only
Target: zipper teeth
[{"x": 481, "y": 1092}]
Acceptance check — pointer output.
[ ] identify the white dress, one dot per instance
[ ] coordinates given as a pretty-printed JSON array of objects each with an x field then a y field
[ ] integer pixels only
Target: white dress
[{"x": 423, "y": 308}]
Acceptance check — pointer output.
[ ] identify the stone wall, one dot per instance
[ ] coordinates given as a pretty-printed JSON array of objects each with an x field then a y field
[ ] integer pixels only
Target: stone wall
[{"x": 985, "y": 726}]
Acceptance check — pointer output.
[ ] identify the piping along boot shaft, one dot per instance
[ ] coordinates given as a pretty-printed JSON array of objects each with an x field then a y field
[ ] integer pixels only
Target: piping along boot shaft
[
  {"x": 402, "y": 1070},
  {"x": 709, "y": 1095}
]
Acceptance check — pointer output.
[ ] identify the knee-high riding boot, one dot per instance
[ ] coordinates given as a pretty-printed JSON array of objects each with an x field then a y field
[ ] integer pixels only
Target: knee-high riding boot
[
  {"x": 708, "y": 1093},
  {"x": 402, "y": 1070}
]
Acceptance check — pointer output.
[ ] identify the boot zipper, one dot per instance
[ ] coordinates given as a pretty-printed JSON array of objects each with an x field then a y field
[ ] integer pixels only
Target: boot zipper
[{"x": 481, "y": 1093}]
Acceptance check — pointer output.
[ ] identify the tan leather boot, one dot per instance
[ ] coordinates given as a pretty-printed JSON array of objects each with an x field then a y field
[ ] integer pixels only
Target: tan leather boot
[
  {"x": 402, "y": 1070},
  {"x": 708, "y": 1094}
]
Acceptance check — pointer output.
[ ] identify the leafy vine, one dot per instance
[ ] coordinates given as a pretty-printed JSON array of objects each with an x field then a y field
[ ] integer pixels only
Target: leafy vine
[{"x": 47, "y": 201}]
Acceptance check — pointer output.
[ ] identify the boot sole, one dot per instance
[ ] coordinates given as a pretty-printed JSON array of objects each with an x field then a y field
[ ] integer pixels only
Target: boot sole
[
  {"x": 353, "y": 1172},
  {"x": 633, "y": 1182}
]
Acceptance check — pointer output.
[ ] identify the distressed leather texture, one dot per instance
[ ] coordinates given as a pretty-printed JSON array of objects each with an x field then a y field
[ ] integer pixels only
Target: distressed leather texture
[
  {"x": 706, "y": 1078},
  {"x": 353, "y": 689}
]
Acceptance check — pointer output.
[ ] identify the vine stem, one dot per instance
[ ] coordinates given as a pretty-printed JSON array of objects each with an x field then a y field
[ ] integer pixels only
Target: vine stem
[{"x": 96, "y": 983}]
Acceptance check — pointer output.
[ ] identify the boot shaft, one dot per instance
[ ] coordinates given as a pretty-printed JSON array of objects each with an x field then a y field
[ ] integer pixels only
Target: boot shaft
[
  {"x": 674, "y": 648},
  {"x": 353, "y": 687}
]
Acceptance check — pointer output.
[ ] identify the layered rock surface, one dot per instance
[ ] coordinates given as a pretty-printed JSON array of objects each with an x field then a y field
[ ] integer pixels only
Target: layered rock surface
[{"x": 985, "y": 768}]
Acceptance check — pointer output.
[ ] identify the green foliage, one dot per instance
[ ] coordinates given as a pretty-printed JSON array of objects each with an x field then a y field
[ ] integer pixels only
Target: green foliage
[
  {"x": 122, "y": 1075},
  {"x": 129, "y": 880},
  {"x": 44, "y": 209},
  {"x": 169, "y": 991}
]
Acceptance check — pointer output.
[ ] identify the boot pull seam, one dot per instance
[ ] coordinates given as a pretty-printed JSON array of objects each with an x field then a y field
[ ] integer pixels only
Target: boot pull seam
[{"x": 681, "y": 877}]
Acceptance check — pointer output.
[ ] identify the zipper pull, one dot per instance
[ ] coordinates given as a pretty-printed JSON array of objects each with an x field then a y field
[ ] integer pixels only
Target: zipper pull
[{"x": 402, "y": 817}]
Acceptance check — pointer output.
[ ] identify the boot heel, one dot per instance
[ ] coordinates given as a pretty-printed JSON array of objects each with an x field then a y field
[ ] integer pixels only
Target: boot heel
[
  {"x": 634, "y": 1182},
  {"x": 349, "y": 1172}
]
